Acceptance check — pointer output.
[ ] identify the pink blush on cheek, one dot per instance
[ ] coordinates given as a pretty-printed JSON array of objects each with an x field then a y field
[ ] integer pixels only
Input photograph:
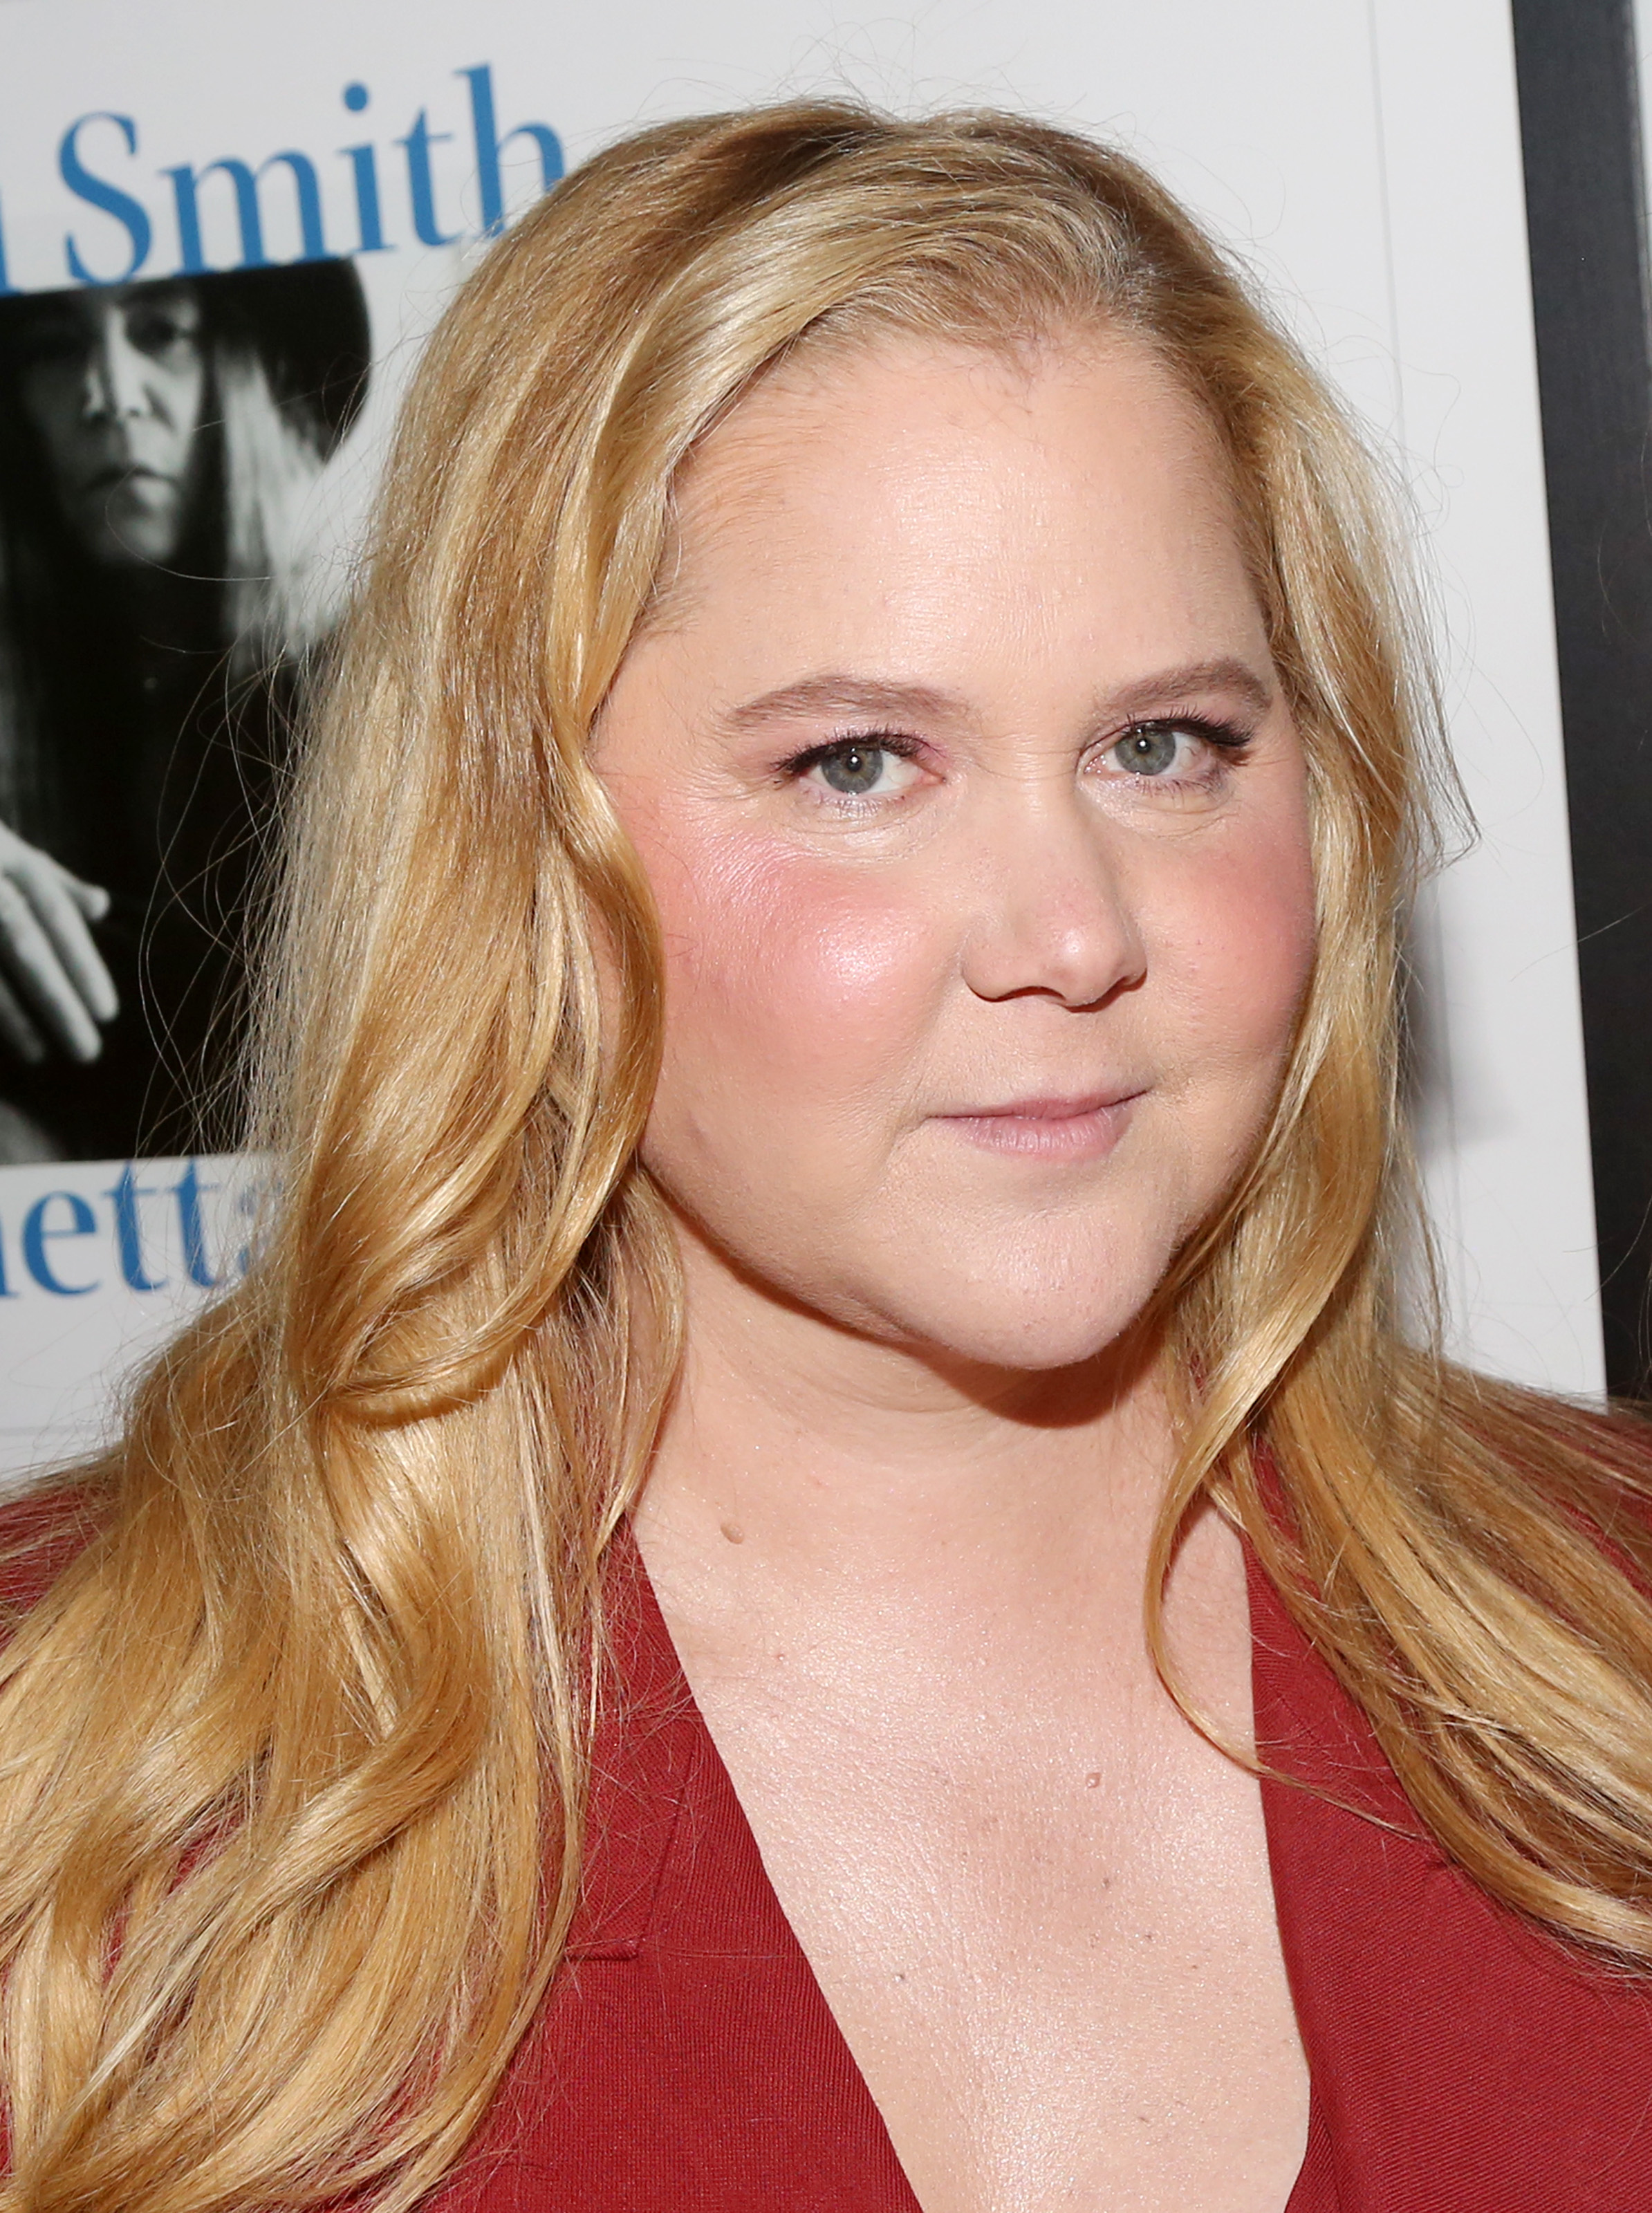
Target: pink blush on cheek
[
  {"x": 1244, "y": 931},
  {"x": 773, "y": 962}
]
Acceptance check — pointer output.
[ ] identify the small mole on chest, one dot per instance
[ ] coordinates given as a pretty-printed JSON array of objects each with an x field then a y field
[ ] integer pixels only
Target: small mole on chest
[{"x": 734, "y": 1533}]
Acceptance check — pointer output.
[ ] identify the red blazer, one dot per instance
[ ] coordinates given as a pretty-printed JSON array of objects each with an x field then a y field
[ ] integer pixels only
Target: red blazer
[{"x": 686, "y": 2061}]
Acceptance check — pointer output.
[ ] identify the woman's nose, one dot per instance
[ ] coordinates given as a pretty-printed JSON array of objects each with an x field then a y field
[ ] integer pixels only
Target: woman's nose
[
  {"x": 114, "y": 387},
  {"x": 1053, "y": 912}
]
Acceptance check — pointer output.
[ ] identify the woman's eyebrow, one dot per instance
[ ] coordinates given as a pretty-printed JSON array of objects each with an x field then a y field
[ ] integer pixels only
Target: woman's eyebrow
[
  {"x": 838, "y": 692},
  {"x": 1226, "y": 673},
  {"x": 843, "y": 694}
]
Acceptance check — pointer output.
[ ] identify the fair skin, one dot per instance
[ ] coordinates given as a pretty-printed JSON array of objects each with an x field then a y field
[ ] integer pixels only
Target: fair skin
[{"x": 977, "y": 828}]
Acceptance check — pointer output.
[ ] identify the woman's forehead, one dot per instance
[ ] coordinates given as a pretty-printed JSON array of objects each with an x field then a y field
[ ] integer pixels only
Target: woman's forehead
[
  {"x": 1018, "y": 537},
  {"x": 859, "y": 455},
  {"x": 80, "y": 314}
]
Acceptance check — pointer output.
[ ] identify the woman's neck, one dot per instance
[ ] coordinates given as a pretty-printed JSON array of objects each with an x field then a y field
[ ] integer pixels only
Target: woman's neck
[{"x": 821, "y": 1457}]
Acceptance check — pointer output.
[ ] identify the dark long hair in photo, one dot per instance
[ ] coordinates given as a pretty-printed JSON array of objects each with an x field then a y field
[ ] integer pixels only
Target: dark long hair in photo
[{"x": 165, "y": 583}]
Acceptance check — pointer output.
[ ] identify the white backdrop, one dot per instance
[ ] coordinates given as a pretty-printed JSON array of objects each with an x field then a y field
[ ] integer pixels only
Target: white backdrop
[{"x": 1363, "y": 154}]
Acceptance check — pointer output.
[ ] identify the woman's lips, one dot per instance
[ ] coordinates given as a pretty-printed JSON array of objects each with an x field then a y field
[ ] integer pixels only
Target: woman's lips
[{"x": 1048, "y": 1129}]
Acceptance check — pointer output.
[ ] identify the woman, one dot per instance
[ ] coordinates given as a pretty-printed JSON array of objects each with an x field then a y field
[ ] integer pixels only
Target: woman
[
  {"x": 161, "y": 445},
  {"x": 834, "y": 1056}
]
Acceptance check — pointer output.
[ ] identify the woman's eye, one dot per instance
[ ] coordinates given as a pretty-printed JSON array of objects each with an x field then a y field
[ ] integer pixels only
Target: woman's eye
[
  {"x": 54, "y": 342},
  {"x": 156, "y": 334},
  {"x": 1154, "y": 749},
  {"x": 860, "y": 770}
]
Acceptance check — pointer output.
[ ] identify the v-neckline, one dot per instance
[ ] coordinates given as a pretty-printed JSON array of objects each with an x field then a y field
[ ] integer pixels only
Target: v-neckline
[{"x": 656, "y": 1681}]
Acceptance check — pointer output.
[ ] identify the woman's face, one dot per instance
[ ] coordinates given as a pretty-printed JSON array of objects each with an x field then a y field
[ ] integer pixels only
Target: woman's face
[
  {"x": 113, "y": 383},
  {"x": 978, "y": 827}
]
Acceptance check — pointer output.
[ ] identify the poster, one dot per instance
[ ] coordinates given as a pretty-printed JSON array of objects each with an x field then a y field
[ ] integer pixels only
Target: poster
[
  {"x": 202, "y": 337},
  {"x": 237, "y": 223}
]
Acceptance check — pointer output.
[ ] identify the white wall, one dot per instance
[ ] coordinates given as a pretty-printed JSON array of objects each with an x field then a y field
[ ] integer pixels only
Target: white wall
[{"x": 1363, "y": 154}]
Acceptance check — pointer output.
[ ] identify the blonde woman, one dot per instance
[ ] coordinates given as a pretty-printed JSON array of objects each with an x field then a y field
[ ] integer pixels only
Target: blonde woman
[{"x": 815, "y": 1571}]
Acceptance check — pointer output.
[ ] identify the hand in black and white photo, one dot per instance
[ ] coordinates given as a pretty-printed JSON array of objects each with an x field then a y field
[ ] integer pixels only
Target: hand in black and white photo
[{"x": 55, "y": 991}]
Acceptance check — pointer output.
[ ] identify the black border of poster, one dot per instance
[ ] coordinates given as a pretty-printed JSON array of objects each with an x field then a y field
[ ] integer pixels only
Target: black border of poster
[{"x": 1581, "y": 132}]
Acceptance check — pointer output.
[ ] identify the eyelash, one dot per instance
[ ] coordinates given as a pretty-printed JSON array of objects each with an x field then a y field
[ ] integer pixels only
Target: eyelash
[
  {"x": 888, "y": 741},
  {"x": 1227, "y": 740}
]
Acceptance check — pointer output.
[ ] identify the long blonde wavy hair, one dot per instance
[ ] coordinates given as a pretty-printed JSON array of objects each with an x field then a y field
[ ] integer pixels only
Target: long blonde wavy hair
[{"x": 292, "y": 1757}]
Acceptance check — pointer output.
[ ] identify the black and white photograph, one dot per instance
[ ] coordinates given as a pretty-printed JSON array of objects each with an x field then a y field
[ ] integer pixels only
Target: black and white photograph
[{"x": 162, "y": 599}]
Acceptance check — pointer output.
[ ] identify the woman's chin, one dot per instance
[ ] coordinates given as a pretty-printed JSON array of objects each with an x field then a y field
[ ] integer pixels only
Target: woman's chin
[
  {"x": 1039, "y": 1352},
  {"x": 1028, "y": 1337}
]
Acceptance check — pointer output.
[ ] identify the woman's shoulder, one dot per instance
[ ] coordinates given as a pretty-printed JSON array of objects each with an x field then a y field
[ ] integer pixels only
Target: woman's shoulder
[
  {"x": 1616, "y": 1431},
  {"x": 1612, "y": 1427},
  {"x": 44, "y": 1528},
  {"x": 1569, "y": 1448},
  {"x": 1592, "y": 1460}
]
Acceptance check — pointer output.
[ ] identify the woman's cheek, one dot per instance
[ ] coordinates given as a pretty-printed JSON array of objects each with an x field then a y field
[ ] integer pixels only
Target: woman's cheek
[
  {"x": 1248, "y": 932},
  {"x": 787, "y": 965}
]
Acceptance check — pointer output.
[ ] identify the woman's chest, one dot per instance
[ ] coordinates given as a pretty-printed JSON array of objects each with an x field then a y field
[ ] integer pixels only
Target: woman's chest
[
  {"x": 1043, "y": 1921},
  {"x": 687, "y": 2056}
]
